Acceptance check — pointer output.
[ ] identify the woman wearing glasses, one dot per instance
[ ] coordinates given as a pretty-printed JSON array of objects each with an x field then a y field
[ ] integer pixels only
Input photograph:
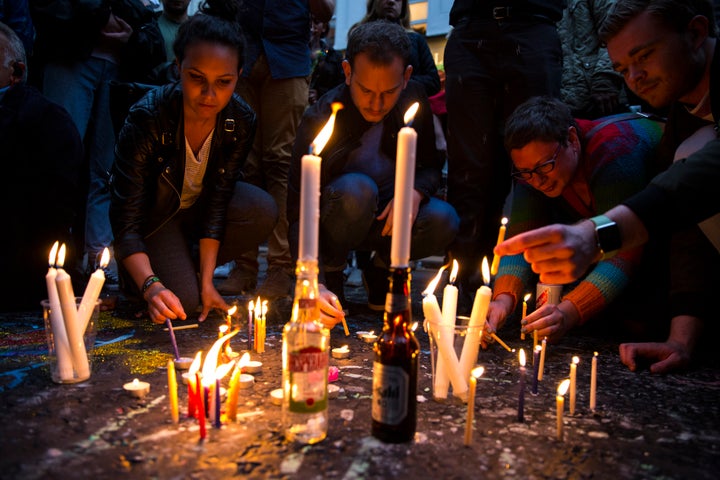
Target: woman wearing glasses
[{"x": 565, "y": 170}]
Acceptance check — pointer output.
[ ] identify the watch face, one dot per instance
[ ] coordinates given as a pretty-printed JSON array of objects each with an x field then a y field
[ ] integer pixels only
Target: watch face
[{"x": 609, "y": 237}]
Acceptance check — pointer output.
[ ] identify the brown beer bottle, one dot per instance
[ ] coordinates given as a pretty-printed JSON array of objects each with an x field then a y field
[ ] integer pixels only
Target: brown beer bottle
[{"x": 394, "y": 396}]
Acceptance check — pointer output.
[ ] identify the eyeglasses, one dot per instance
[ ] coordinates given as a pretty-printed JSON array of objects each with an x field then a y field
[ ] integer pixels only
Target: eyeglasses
[{"x": 542, "y": 169}]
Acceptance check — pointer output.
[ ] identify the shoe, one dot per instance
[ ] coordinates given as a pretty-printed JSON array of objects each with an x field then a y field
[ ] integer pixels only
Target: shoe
[
  {"x": 377, "y": 282},
  {"x": 277, "y": 284},
  {"x": 223, "y": 271},
  {"x": 335, "y": 282},
  {"x": 239, "y": 281}
]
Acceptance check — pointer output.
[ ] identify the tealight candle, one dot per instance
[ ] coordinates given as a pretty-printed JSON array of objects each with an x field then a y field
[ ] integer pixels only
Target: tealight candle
[
  {"x": 246, "y": 381},
  {"x": 253, "y": 366},
  {"x": 137, "y": 388},
  {"x": 276, "y": 396},
  {"x": 183, "y": 363},
  {"x": 369, "y": 337},
  {"x": 333, "y": 391},
  {"x": 341, "y": 352}
]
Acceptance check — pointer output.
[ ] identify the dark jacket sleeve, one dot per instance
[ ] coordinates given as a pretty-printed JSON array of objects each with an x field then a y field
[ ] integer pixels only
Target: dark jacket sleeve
[{"x": 424, "y": 69}]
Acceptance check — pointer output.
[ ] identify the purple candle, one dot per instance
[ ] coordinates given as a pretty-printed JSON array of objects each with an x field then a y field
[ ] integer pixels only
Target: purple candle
[
  {"x": 217, "y": 403},
  {"x": 168, "y": 322}
]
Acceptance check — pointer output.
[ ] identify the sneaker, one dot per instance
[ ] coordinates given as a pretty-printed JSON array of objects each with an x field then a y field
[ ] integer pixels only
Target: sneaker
[
  {"x": 335, "y": 282},
  {"x": 239, "y": 281},
  {"x": 277, "y": 284},
  {"x": 377, "y": 283},
  {"x": 223, "y": 271}
]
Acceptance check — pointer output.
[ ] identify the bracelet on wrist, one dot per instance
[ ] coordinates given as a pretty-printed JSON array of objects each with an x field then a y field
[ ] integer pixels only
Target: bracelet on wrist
[{"x": 149, "y": 281}]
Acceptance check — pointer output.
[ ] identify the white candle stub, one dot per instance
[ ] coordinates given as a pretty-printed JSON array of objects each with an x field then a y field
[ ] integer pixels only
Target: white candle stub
[
  {"x": 246, "y": 381},
  {"x": 276, "y": 396},
  {"x": 369, "y": 337},
  {"x": 183, "y": 363},
  {"x": 253, "y": 366},
  {"x": 333, "y": 391},
  {"x": 137, "y": 388},
  {"x": 341, "y": 352}
]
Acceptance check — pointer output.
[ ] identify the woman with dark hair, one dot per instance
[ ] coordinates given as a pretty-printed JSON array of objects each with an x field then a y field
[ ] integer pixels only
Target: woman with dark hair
[
  {"x": 178, "y": 206},
  {"x": 398, "y": 11}
]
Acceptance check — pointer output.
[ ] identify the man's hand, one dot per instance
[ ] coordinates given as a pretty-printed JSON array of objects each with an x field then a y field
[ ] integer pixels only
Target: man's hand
[
  {"x": 163, "y": 304},
  {"x": 331, "y": 311},
  {"x": 559, "y": 253},
  {"x": 664, "y": 357},
  {"x": 210, "y": 299},
  {"x": 387, "y": 213}
]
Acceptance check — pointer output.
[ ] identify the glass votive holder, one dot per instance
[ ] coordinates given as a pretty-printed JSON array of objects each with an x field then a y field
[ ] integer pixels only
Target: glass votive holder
[{"x": 70, "y": 341}]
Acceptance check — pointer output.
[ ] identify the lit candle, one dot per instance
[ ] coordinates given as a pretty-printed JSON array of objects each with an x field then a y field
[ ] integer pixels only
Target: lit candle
[
  {"x": 593, "y": 381},
  {"x": 251, "y": 321},
  {"x": 474, "y": 375},
  {"x": 542, "y": 358},
  {"x": 258, "y": 317},
  {"x": 573, "y": 382},
  {"x": 521, "y": 393},
  {"x": 232, "y": 397},
  {"x": 92, "y": 291},
  {"x": 471, "y": 346},
  {"x": 524, "y": 313},
  {"x": 447, "y": 366},
  {"x": 70, "y": 318},
  {"x": 560, "y": 401},
  {"x": 173, "y": 341},
  {"x": 535, "y": 338},
  {"x": 501, "y": 237},
  {"x": 536, "y": 367},
  {"x": 502, "y": 344},
  {"x": 172, "y": 392},
  {"x": 404, "y": 186},
  {"x": 220, "y": 373},
  {"x": 60, "y": 339},
  {"x": 137, "y": 389},
  {"x": 192, "y": 386},
  {"x": 310, "y": 191},
  {"x": 263, "y": 326},
  {"x": 369, "y": 337},
  {"x": 200, "y": 405},
  {"x": 228, "y": 319},
  {"x": 341, "y": 352}
]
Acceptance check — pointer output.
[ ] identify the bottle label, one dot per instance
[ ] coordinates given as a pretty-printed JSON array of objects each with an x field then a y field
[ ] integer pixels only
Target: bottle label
[
  {"x": 396, "y": 302},
  {"x": 391, "y": 385},
  {"x": 308, "y": 380}
]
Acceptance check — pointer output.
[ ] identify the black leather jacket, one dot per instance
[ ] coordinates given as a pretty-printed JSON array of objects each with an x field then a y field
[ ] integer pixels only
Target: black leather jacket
[{"x": 147, "y": 176}]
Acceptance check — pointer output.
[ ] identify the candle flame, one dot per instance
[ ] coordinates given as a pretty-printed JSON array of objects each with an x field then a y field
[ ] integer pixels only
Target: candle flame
[
  {"x": 521, "y": 357},
  {"x": 264, "y": 307},
  {"x": 258, "y": 307},
  {"x": 322, "y": 138},
  {"x": 454, "y": 271},
  {"x": 232, "y": 310},
  {"x": 504, "y": 221},
  {"x": 538, "y": 348},
  {"x": 195, "y": 365},
  {"x": 410, "y": 113},
  {"x": 53, "y": 253},
  {"x": 105, "y": 258},
  {"x": 61, "y": 256},
  {"x": 563, "y": 387},
  {"x": 223, "y": 329},
  {"x": 414, "y": 326},
  {"x": 222, "y": 370},
  {"x": 136, "y": 382},
  {"x": 576, "y": 360},
  {"x": 343, "y": 349},
  {"x": 433, "y": 284},
  {"x": 477, "y": 372},
  {"x": 527, "y": 297},
  {"x": 244, "y": 360},
  {"x": 251, "y": 306},
  {"x": 485, "y": 271},
  {"x": 208, "y": 369}
]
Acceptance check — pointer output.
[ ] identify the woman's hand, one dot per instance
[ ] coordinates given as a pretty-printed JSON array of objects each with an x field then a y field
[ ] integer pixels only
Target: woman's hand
[
  {"x": 498, "y": 311},
  {"x": 210, "y": 299},
  {"x": 163, "y": 304},
  {"x": 331, "y": 311},
  {"x": 551, "y": 321}
]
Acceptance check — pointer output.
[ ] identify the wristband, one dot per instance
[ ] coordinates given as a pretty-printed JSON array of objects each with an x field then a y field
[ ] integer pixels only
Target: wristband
[{"x": 148, "y": 283}]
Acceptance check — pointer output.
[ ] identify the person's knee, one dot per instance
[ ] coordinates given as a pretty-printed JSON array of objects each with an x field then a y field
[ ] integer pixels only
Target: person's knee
[
  {"x": 351, "y": 196},
  {"x": 439, "y": 221}
]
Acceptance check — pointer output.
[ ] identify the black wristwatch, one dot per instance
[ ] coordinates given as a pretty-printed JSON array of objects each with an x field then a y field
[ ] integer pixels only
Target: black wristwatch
[{"x": 607, "y": 236}]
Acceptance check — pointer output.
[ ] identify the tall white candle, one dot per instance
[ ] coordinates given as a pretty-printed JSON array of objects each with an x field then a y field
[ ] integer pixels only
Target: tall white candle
[
  {"x": 62, "y": 347},
  {"x": 310, "y": 191},
  {"x": 471, "y": 347},
  {"x": 92, "y": 291},
  {"x": 70, "y": 318},
  {"x": 593, "y": 381},
  {"x": 446, "y": 331},
  {"x": 543, "y": 346},
  {"x": 573, "y": 383},
  {"x": 404, "y": 185}
]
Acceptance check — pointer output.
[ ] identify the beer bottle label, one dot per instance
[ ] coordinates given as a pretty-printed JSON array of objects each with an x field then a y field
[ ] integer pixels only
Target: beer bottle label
[
  {"x": 391, "y": 385},
  {"x": 308, "y": 380}
]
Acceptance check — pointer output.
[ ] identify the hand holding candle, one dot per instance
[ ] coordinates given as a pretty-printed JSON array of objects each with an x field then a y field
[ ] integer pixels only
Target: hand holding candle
[
  {"x": 474, "y": 375},
  {"x": 501, "y": 237}
]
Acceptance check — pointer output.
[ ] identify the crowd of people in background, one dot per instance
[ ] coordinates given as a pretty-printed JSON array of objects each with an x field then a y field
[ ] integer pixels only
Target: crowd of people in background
[{"x": 176, "y": 140}]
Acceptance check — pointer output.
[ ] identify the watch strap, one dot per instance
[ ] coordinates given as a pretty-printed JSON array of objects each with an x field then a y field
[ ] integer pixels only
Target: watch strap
[{"x": 607, "y": 236}]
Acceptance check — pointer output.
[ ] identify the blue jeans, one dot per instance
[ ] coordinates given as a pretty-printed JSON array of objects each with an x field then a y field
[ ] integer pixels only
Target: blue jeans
[
  {"x": 83, "y": 89},
  {"x": 251, "y": 216},
  {"x": 348, "y": 207}
]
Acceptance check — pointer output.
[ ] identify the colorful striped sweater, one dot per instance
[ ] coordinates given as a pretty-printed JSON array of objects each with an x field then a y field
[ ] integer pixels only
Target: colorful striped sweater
[{"x": 613, "y": 162}]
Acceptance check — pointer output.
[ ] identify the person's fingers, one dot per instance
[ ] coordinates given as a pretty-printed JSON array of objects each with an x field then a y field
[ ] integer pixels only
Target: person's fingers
[
  {"x": 671, "y": 362},
  {"x": 204, "y": 313},
  {"x": 627, "y": 355},
  {"x": 532, "y": 239}
]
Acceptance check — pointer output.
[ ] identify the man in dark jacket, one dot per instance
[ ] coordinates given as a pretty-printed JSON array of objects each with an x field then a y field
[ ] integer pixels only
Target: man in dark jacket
[
  {"x": 358, "y": 166},
  {"x": 42, "y": 153}
]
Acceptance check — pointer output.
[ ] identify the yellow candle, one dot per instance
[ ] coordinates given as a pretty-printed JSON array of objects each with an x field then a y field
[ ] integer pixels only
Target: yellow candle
[
  {"x": 542, "y": 359},
  {"x": 172, "y": 392},
  {"x": 573, "y": 383},
  {"x": 475, "y": 374},
  {"x": 535, "y": 339},
  {"x": 503, "y": 344},
  {"x": 232, "y": 397},
  {"x": 501, "y": 237},
  {"x": 593, "y": 381},
  {"x": 560, "y": 400},
  {"x": 524, "y": 313}
]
